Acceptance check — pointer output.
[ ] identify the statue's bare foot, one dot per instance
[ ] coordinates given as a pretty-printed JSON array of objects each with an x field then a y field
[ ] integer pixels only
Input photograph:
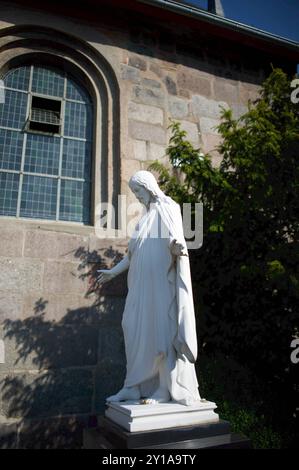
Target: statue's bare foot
[
  {"x": 160, "y": 396},
  {"x": 126, "y": 393}
]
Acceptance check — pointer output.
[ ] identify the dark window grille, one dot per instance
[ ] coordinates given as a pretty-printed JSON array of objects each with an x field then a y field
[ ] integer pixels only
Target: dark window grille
[{"x": 45, "y": 115}]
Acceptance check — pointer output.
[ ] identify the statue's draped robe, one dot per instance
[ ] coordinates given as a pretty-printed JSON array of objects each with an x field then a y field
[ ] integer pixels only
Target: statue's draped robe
[{"x": 158, "y": 320}]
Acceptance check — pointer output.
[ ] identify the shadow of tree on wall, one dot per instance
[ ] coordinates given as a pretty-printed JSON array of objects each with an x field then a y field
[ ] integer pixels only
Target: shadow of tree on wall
[{"x": 58, "y": 373}]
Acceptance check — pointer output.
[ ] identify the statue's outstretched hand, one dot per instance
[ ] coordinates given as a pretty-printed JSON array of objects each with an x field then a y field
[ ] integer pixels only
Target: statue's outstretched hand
[
  {"x": 105, "y": 275},
  {"x": 108, "y": 274}
]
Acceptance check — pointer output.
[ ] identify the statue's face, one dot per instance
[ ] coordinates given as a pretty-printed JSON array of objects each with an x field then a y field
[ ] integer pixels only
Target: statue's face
[{"x": 141, "y": 194}]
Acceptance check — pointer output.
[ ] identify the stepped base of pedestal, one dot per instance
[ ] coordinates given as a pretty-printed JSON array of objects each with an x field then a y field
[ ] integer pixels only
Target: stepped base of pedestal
[
  {"x": 135, "y": 417},
  {"x": 215, "y": 435}
]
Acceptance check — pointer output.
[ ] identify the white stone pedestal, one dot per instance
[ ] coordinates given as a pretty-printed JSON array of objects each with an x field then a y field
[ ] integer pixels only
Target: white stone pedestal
[{"x": 135, "y": 417}]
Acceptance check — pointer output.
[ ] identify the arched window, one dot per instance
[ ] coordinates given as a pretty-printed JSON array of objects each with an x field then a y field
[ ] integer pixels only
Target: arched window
[{"x": 45, "y": 145}]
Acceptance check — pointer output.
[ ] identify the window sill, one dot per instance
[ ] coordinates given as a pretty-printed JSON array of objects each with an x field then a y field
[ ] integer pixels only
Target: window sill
[
  {"x": 59, "y": 226},
  {"x": 51, "y": 225}
]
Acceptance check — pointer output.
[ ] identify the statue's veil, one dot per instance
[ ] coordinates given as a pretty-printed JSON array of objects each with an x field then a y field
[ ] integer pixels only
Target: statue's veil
[
  {"x": 148, "y": 181},
  {"x": 169, "y": 210}
]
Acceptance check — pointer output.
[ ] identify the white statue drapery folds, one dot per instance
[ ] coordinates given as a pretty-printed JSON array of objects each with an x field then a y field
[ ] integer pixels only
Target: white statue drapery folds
[{"x": 158, "y": 320}]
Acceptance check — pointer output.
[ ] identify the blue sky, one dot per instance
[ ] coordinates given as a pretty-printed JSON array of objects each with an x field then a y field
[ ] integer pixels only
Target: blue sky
[{"x": 279, "y": 17}]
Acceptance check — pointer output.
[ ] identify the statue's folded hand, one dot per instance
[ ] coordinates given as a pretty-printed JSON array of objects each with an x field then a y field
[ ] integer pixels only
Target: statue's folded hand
[{"x": 178, "y": 249}]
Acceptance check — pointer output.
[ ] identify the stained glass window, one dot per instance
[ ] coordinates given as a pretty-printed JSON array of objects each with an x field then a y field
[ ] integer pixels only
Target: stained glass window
[{"x": 45, "y": 175}]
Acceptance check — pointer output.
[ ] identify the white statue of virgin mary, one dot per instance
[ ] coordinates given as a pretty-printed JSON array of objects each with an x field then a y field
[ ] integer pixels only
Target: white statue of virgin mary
[{"x": 158, "y": 319}]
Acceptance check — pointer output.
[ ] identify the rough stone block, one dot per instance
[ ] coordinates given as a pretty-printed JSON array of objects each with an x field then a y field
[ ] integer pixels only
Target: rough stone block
[
  {"x": 156, "y": 69},
  {"x": 151, "y": 96},
  {"x": 70, "y": 308},
  {"x": 8, "y": 433},
  {"x": 225, "y": 90},
  {"x": 109, "y": 378},
  {"x": 248, "y": 91},
  {"x": 204, "y": 107},
  {"x": 17, "y": 356},
  {"x": 192, "y": 131},
  {"x": 63, "y": 432},
  {"x": 170, "y": 85},
  {"x": 111, "y": 344},
  {"x": 157, "y": 152},
  {"x": 208, "y": 125},
  {"x": 130, "y": 73},
  {"x": 20, "y": 275},
  {"x": 194, "y": 82},
  {"x": 2, "y": 352},
  {"x": 137, "y": 62},
  {"x": 148, "y": 82},
  {"x": 178, "y": 108},
  {"x": 210, "y": 143},
  {"x": 11, "y": 304},
  {"x": 184, "y": 93},
  {"x": 216, "y": 160},
  {"x": 52, "y": 393},
  {"x": 238, "y": 110},
  {"x": 129, "y": 167},
  {"x": 145, "y": 113},
  {"x": 35, "y": 344},
  {"x": 107, "y": 252},
  {"x": 112, "y": 308},
  {"x": 53, "y": 245},
  {"x": 108, "y": 248},
  {"x": 140, "y": 149},
  {"x": 64, "y": 277},
  {"x": 145, "y": 131},
  {"x": 11, "y": 242}
]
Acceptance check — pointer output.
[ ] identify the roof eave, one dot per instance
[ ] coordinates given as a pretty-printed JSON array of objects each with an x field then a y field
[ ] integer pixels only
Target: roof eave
[{"x": 227, "y": 23}]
